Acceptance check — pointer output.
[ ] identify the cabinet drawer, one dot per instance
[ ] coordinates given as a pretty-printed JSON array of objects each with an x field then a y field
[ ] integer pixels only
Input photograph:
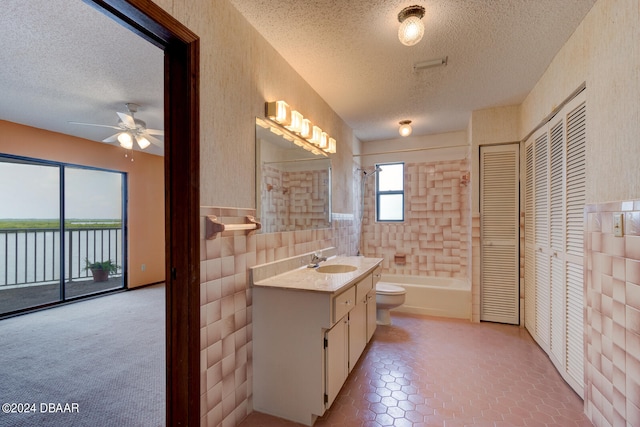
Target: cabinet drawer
[
  {"x": 343, "y": 303},
  {"x": 377, "y": 273},
  {"x": 363, "y": 287}
]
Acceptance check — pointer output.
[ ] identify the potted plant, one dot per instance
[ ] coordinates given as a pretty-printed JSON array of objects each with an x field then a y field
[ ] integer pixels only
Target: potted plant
[{"x": 101, "y": 269}]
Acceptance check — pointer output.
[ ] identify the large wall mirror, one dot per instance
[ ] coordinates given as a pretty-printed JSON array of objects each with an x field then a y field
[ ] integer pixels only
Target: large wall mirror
[{"x": 293, "y": 183}]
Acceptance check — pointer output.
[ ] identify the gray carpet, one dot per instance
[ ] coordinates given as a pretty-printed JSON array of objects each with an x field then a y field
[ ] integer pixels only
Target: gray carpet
[{"x": 105, "y": 355}]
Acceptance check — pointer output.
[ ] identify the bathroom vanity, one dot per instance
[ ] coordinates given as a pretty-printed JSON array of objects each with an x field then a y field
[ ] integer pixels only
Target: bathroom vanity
[{"x": 310, "y": 327}]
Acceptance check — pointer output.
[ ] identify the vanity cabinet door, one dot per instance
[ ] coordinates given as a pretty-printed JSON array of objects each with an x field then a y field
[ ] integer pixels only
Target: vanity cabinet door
[
  {"x": 336, "y": 359},
  {"x": 357, "y": 330},
  {"x": 371, "y": 314}
]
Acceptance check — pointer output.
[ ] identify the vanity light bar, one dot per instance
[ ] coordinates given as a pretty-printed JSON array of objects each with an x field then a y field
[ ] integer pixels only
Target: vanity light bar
[
  {"x": 287, "y": 134},
  {"x": 280, "y": 113}
]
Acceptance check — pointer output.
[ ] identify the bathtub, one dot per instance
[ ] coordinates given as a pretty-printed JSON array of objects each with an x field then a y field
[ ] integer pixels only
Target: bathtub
[{"x": 433, "y": 296}]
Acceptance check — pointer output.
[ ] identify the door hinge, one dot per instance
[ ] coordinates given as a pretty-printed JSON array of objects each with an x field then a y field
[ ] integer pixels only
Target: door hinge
[
  {"x": 326, "y": 343},
  {"x": 174, "y": 273},
  {"x": 326, "y": 398}
]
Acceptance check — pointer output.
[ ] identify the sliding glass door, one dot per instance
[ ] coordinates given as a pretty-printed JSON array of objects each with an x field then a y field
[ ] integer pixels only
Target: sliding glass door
[
  {"x": 29, "y": 235},
  {"x": 93, "y": 231},
  {"x": 58, "y": 221}
]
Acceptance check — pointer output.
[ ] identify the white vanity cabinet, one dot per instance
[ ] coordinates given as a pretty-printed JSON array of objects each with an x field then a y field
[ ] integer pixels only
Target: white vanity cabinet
[
  {"x": 305, "y": 343},
  {"x": 371, "y": 303}
]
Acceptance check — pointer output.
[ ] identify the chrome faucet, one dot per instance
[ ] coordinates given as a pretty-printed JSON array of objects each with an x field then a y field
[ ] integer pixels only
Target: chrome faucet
[{"x": 316, "y": 259}]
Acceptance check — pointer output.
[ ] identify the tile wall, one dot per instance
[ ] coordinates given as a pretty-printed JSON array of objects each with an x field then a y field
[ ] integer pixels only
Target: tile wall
[
  {"x": 225, "y": 304},
  {"x": 612, "y": 327},
  {"x": 436, "y": 234}
]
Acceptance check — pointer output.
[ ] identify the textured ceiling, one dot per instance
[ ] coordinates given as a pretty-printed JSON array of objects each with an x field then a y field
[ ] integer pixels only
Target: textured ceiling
[
  {"x": 64, "y": 61},
  {"x": 348, "y": 51}
]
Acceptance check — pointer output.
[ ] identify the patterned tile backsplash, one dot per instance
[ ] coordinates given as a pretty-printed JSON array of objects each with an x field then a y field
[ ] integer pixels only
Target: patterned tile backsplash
[{"x": 612, "y": 329}]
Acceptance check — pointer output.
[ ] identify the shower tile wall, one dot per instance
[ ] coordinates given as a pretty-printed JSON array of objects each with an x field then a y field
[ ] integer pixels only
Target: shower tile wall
[
  {"x": 225, "y": 304},
  {"x": 612, "y": 323},
  {"x": 436, "y": 233}
]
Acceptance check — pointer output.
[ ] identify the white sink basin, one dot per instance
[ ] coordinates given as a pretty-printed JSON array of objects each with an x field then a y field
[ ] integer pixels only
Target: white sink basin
[{"x": 336, "y": 268}]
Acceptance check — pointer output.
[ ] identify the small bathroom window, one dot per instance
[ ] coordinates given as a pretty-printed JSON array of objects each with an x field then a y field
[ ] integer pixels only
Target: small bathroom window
[{"x": 390, "y": 192}]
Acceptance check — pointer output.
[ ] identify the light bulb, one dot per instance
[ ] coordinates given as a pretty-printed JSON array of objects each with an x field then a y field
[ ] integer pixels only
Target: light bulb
[
  {"x": 411, "y": 31},
  {"x": 142, "y": 142},
  {"x": 296, "y": 122},
  {"x": 405, "y": 128},
  {"x": 125, "y": 140}
]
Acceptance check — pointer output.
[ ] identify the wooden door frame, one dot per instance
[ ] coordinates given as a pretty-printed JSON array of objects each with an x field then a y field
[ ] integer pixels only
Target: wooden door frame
[{"x": 182, "y": 197}]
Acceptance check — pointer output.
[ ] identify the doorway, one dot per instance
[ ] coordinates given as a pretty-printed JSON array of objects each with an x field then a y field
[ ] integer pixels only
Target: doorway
[{"x": 181, "y": 98}]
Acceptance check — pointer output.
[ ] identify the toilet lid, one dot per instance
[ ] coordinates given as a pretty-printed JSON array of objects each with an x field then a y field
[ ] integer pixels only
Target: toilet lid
[{"x": 389, "y": 289}]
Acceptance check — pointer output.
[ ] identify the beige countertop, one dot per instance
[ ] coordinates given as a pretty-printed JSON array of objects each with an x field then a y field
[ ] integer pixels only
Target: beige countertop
[{"x": 308, "y": 279}]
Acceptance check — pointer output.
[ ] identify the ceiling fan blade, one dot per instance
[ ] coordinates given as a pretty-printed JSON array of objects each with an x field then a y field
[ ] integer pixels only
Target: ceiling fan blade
[
  {"x": 93, "y": 124},
  {"x": 154, "y": 141},
  {"x": 154, "y": 131},
  {"x": 112, "y": 138},
  {"x": 127, "y": 120}
]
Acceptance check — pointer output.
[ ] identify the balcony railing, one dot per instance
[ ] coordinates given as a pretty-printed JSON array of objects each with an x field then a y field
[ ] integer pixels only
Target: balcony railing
[{"x": 33, "y": 255}]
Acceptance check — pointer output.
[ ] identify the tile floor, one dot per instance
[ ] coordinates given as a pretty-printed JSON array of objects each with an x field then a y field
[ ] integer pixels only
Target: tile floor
[{"x": 426, "y": 371}]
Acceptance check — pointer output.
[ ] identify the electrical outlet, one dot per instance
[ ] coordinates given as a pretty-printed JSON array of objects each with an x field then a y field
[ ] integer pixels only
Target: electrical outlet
[{"x": 618, "y": 224}]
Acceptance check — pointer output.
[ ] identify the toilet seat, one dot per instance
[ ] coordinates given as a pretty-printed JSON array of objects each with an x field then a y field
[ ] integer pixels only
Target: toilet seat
[{"x": 385, "y": 288}]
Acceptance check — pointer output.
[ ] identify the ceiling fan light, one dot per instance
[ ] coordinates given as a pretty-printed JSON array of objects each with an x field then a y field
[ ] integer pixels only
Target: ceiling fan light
[
  {"x": 142, "y": 142},
  {"x": 125, "y": 140}
]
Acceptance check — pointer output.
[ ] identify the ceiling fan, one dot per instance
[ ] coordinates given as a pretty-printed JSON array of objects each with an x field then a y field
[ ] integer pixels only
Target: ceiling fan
[{"x": 130, "y": 129}]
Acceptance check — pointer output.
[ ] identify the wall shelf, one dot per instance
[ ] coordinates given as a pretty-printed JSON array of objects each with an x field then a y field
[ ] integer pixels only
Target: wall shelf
[{"x": 213, "y": 226}]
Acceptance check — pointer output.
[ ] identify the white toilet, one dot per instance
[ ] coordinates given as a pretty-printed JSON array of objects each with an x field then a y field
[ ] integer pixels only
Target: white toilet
[{"x": 388, "y": 296}]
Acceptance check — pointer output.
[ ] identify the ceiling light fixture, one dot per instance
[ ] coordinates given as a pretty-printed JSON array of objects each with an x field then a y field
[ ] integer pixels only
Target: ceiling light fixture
[
  {"x": 411, "y": 26},
  {"x": 430, "y": 63},
  {"x": 405, "y": 128}
]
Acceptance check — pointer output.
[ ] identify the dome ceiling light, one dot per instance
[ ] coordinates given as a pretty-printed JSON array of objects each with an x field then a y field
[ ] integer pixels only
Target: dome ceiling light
[
  {"x": 411, "y": 26},
  {"x": 405, "y": 128}
]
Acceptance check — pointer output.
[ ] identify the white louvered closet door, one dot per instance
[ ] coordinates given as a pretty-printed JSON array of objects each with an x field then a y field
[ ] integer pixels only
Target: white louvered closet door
[
  {"x": 555, "y": 179},
  {"x": 556, "y": 242},
  {"x": 529, "y": 242},
  {"x": 499, "y": 216},
  {"x": 574, "y": 255},
  {"x": 542, "y": 282}
]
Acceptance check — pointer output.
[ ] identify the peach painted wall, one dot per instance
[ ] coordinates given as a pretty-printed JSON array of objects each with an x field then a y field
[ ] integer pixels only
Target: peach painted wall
[{"x": 145, "y": 188}]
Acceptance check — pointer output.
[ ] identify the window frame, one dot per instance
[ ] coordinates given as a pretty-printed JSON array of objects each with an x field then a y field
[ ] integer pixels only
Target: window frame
[{"x": 389, "y": 192}]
